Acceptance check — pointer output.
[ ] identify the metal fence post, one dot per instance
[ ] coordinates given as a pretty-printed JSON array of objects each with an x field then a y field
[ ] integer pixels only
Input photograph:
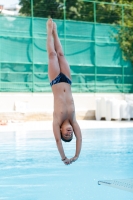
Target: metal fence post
[
  {"x": 122, "y": 52},
  {"x": 64, "y": 12},
  {"x": 94, "y": 10},
  {"x": 32, "y": 37}
]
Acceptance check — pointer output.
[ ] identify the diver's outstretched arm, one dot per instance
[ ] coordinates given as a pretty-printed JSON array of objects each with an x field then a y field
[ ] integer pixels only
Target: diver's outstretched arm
[
  {"x": 56, "y": 130},
  {"x": 78, "y": 135}
]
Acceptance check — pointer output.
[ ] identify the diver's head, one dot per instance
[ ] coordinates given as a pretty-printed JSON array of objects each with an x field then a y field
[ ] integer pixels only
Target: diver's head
[{"x": 66, "y": 131}]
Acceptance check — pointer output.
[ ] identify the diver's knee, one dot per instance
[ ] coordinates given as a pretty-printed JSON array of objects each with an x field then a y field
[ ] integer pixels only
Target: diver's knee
[
  {"x": 60, "y": 54},
  {"x": 52, "y": 54}
]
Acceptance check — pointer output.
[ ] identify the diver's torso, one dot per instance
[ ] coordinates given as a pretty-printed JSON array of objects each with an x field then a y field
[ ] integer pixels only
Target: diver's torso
[{"x": 63, "y": 102}]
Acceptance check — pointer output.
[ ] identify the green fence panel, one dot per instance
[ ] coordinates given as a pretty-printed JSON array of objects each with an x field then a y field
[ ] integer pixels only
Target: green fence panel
[
  {"x": 109, "y": 71},
  {"x": 41, "y": 68},
  {"x": 94, "y": 56},
  {"x": 40, "y": 53},
  {"x": 105, "y": 33},
  {"x": 15, "y": 26},
  {"x": 15, "y": 49},
  {"x": 9, "y": 67},
  {"x": 79, "y": 30},
  {"x": 108, "y": 54},
  {"x": 80, "y": 53}
]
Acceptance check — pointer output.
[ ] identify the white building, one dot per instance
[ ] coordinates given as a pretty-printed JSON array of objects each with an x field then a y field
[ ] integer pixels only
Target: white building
[{"x": 10, "y": 10}]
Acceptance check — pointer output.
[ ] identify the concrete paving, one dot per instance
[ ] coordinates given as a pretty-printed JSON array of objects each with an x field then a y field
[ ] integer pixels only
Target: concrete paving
[{"x": 47, "y": 125}]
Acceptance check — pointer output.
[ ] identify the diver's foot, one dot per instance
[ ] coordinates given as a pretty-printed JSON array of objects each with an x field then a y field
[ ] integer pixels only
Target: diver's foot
[{"x": 50, "y": 25}]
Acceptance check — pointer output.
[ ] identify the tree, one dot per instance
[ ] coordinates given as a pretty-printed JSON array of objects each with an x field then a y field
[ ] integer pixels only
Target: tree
[
  {"x": 75, "y": 10},
  {"x": 41, "y": 8},
  {"x": 125, "y": 34}
]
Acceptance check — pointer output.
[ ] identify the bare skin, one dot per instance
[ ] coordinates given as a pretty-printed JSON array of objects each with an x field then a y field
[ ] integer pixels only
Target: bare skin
[{"x": 64, "y": 119}]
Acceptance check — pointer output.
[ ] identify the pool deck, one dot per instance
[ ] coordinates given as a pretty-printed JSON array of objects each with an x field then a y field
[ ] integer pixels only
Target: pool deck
[{"x": 47, "y": 125}]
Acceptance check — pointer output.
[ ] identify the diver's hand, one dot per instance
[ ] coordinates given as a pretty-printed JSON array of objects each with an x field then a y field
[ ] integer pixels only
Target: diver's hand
[
  {"x": 66, "y": 161},
  {"x": 73, "y": 159}
]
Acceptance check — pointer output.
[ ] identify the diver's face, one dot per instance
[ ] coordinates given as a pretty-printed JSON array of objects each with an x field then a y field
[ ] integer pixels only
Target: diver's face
[{"x": 67, "y": 131}]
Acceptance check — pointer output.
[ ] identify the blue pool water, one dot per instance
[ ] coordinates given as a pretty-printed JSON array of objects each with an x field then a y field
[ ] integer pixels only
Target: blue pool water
[{"x": 31, "y": 169}]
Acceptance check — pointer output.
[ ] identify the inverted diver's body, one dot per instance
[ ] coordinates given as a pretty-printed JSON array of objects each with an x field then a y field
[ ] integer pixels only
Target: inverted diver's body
[
  {"x": 64, "y": 120},
  {"x": 63, "y": 102}
]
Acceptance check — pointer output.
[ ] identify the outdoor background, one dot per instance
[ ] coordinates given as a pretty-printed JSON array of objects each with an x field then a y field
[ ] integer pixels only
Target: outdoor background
[{"x": 92, "y": 37}]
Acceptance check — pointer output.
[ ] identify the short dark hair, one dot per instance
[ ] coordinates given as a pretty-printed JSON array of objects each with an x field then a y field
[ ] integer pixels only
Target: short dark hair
[{"x": 65, "y": 139}]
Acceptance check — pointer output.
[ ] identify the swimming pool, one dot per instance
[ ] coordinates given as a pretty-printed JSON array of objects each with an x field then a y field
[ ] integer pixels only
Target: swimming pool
[{"x": 31, "y": 169}]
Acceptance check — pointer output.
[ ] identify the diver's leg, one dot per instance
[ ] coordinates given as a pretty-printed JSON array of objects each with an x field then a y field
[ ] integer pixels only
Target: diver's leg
[
  {"x": 53, "y": 64},
  {"x": 64, "y": 66}
]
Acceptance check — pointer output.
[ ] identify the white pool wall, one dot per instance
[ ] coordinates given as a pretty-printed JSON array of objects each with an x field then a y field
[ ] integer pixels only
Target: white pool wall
[{"x": 39, "y": 106}]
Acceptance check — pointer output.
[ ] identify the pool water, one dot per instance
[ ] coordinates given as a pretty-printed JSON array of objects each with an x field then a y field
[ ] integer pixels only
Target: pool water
[{"x": 31, "y": 168}]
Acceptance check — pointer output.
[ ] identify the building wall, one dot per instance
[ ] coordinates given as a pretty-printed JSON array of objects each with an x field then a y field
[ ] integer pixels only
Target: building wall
[{"x": 14, "y": 106}]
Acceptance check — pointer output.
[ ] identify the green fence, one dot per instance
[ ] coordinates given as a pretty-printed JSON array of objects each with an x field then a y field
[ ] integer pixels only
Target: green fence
[{"x": 93, "y": 53}]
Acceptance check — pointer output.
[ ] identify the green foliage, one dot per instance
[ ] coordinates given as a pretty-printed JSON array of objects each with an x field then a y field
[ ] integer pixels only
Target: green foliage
[
  {"x": 75, "y": 10},
  {"x": 125, "y": 35},
  {"x": 127, "y": 45},
  {"x": 41, "y": 8},
  {"x": 26, "y": 7}
]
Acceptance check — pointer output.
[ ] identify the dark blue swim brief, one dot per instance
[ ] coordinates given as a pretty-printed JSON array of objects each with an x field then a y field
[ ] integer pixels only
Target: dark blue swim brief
[{"x": 61, "y": 78}]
